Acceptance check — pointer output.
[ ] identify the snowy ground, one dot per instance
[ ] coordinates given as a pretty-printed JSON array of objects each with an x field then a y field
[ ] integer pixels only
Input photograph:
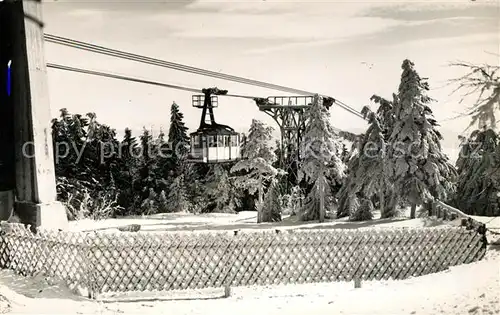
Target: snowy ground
[
  {"x": 468, "y": 289},
  {"x": 241, "y": 221}
]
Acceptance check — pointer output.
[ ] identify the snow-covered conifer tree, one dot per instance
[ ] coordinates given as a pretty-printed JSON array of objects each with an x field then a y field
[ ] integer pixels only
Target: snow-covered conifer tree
[
  {"x": 177, "y": 140},
  {"x": 256, "y": 162},
  {"x": 272, "y": 207},
  {"x": 479, "y": 175},
  {"x": 149, "y": 205},
  {"x": 478, "y": 190},
  {"x": 386, "y": 116},
  {"x": 367, "y": 152},
  {"x": 419, "y": 168},
  {"x": 372, "y": 173},
  {"x": 385, "y": 113},
  {"x": 162, "y": 202},
  {"x": 178, "y": 199},
  {"x": 147, "y": 172},
  {"x": 321, "y": 151},
  {"x": 362, "y": 209},
  {"x": 221, "y": 190}
]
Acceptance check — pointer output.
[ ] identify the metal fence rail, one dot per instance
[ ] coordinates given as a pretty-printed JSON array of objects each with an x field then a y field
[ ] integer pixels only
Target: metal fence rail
[{"x": 121, "y": 262}]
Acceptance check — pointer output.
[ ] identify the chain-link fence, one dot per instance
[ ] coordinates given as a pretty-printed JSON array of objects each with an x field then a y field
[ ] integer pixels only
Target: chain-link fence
[{"x": 121, "y": 262}]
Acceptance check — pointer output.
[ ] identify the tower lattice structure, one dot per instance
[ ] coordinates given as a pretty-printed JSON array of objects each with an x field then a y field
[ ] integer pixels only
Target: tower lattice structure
[{"x": 290, "y": 113}]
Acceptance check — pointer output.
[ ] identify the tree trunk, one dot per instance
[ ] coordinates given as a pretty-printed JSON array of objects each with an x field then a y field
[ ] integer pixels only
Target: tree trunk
[
  {"x": 261, "y": 196},
  {"x": 382, "y": 203},
  {"x": 321, "y": 202},
  {"x": 431, "y": 209},
  {"x": 392, "y": 204},
  {"x": 413, "y": 210}
]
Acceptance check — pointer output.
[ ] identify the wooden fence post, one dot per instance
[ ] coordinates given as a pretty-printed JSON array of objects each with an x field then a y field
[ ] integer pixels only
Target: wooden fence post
[
  {"x": 360, "y": 255},
  {"x": 226, "y": 281}
]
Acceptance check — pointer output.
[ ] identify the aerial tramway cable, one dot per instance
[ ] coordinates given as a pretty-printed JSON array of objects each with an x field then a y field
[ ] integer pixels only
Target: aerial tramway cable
[
  {"x": 176, "y": 66},
  {"x": 120, "y": 77},
  {"x": 137, "y": 80}
]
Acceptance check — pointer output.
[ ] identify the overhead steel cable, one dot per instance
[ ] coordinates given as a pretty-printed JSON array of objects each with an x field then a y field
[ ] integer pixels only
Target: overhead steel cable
[
  {"x": 171, "y": 65},
  {"x": 176, "y": 66},
  {"x": 131, "y": 79},
  {"x": 120, "y": 77},
  {"x": 137, "y": 80}
]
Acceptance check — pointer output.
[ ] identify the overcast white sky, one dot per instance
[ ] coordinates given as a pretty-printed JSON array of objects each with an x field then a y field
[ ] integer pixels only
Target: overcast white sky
[{"x": 321, "y": 46}]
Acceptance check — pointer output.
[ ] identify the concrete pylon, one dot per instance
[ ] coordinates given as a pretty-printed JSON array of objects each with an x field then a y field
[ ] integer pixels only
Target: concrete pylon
[{"x": 32, "y": 192}]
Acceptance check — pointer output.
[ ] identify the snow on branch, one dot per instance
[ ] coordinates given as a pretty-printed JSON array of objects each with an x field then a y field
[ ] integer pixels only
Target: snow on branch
[
  {"x": 451, "y": 209},
  {"x": 483, "y": 81}
]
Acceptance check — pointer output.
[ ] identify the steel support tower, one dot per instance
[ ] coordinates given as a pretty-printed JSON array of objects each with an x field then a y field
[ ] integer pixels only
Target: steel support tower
[{"x": 290, "y": 113}]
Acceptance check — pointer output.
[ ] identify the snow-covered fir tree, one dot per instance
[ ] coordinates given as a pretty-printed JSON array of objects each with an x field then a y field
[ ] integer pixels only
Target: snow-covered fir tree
[
  {"x": 243, "y": 142},
  {"x": 178, "y": 200},
  {"x": 366, "y": 163},
  {"x": 321, "y": 151},
  {"x": 479, "y": 161},
  {"x": 293, "y": 201},
  {"x": 161, "y": 163},
  {"x": 255, "y": 166},
  {"x": 419, "y": 168},
  {"x": 146, "y": 165},
  {"x": 162, "y": 202},
  {"x": 128, "y": 162},
  {"x": 148, "y": 205},
  {"x": 272, "y": 206},
  {"x": 385, "y": 113},
  {"x": 478, "y": 189},
  {"x": 347, "y": 196},
  {"x": 178, "y": 140},
  {"x": 371, "y": 174},
  {"x": 347, "y": 193},
  {"x": 362, "y": 209},
  {"x": 386, "y": 116},
  {"x": 221, "y": 191},
  {"x": 346, "y": 155}
]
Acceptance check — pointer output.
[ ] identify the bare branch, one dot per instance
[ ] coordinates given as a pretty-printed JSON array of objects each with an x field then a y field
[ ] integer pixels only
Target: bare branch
[{"x": 483, "y": 81}]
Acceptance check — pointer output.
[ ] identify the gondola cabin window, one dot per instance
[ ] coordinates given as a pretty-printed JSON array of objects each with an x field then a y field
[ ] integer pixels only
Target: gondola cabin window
[
  {"x": 234, "y": 145},
  {"x": 211, "y": 142},
  {"x": 215, "y": 148},
  {"x": 235, "y": 141},
  {"x": 196, "y": 141}
]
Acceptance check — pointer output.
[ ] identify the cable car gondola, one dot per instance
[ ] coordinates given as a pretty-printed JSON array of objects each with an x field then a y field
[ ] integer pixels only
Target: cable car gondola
[{"x": 212, "y": 142}]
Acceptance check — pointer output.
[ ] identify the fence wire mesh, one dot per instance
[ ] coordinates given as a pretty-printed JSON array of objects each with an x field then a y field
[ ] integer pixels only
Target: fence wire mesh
[{"x": 122, "y": 262}]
